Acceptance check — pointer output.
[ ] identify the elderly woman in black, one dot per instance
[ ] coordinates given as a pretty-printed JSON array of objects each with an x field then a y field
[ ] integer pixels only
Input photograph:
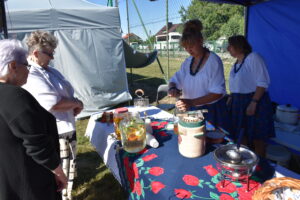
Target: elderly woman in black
[
  {"x": 250, "y": 104},
  {"x": 29, "y": 151}
]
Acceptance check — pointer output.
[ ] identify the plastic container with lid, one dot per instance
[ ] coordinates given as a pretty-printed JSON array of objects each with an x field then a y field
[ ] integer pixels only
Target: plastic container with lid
[
  {"x": 119, "y": 115},
  {"x": 287, "y": 114}
]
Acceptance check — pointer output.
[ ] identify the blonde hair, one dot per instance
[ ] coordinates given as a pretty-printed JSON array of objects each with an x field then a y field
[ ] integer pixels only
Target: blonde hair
[
  {"x": 40, "y": 40},
  {"x": 191, "y": 32}
]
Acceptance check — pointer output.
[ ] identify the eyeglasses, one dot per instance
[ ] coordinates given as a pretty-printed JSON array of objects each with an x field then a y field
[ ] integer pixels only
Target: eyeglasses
[
  {"x": 48, "y": 54},
  {"x": 27, "y": 65}
]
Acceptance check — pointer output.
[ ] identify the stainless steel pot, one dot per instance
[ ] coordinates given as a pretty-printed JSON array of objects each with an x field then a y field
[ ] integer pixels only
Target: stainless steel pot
[
  {"x": 287, "y": 114},
  {"x": 235, "y": 170}
]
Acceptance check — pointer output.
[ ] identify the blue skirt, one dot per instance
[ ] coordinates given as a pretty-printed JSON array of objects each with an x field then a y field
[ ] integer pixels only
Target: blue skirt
[
  {"x": 217, "y": 114},
  {"x": 259, "y": 126}
]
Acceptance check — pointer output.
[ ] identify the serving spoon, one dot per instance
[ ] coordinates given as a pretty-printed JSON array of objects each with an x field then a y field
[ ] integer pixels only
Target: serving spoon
[{"x": 235, "y": 154}]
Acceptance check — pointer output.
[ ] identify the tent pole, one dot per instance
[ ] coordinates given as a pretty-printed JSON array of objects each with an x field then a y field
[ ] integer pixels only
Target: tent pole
[
  {"x": 128, "y": 39},
  {"x": 140, "y": 17},
  {"x": 148, "y": 38},
  {"x": 246, "y": 19},
  {"x": 3, "y": 18},
  {"x": 167, "y": 32},
  {"x": 161, "y": 69}
]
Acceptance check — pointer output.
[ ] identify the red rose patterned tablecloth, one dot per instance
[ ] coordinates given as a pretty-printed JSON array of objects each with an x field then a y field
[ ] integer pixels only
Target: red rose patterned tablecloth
[{"x": 164, "y": 174}]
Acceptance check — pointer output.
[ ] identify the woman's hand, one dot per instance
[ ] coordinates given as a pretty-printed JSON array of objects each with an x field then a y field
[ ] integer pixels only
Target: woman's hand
[
  {"x": 184, "y": 104},
  {"x": 251, "y": 108},
  {"x": 174, "y": 92},
  {"x": 78, "y": 108},
  {"x": 60, "y": 178}
]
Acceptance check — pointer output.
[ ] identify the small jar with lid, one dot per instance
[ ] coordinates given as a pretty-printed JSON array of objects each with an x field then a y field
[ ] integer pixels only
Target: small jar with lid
[{"x": 119, "y": 115}]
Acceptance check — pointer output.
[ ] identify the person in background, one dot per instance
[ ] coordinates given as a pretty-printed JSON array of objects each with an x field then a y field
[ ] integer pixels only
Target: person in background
[
  {"x": 200, "y": 80},
  {"x": 249, "y": 103},
  {"x": 56, "y": 95},
  {"x": 29, "y": 149}
]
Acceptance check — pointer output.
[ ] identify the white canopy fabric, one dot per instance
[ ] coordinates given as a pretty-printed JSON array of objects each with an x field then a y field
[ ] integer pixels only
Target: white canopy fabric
[{"x": 90, "y": 50}]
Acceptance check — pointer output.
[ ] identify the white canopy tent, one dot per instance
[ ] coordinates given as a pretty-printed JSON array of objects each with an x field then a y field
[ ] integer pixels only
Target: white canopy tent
[{"x": 90, "y": 50}]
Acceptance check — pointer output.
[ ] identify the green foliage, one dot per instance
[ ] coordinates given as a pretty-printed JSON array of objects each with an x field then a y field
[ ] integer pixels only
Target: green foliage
[
  {"x": 134, "y": 39},
  {"x": 218, "y": 19},
  {"x": 150, "y": 40}
]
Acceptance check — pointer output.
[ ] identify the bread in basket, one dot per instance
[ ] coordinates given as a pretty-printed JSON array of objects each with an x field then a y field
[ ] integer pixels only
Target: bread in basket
[{"x": 283, "y": 188}]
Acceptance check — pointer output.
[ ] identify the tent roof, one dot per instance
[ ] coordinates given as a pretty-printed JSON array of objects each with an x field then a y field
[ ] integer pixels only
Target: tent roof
[
  {"x": 239, "y": 2},
  {"x": 58, "y": 14}
]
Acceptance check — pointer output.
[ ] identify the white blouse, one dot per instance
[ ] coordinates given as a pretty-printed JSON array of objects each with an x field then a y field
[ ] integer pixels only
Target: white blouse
[
  {"x": 49, "y": 87},
  {"x": 253, "y": 73},
  {"x": 209, "y": 79}
]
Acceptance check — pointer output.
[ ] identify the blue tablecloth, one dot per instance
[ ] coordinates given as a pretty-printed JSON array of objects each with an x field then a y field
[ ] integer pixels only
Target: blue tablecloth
[{"x": 162, "y": 173}]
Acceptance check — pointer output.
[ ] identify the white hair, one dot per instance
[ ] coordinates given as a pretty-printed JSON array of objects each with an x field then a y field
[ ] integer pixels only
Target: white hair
[{"x": 10, "y": 50}]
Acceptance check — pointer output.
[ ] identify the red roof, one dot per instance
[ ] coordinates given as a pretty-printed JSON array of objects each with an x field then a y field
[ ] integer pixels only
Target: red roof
[
  {"x": 171, "y": 27},
  {"x": 131, "y": 35}
]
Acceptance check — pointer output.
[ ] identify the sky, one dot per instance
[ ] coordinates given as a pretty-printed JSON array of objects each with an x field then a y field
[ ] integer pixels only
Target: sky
[{"x": 153, "y": 14}]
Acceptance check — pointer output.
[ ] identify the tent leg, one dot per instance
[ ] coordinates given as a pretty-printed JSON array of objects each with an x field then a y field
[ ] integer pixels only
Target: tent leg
[
  {"x": 161, "y": 69},
  {"x": 131, "y": 80}
]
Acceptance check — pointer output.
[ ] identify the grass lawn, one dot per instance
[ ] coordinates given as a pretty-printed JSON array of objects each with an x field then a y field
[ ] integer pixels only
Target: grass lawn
[{"x": 94, "y": 180}]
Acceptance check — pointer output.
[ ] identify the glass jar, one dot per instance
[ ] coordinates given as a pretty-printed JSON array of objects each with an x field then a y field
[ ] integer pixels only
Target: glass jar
[
  {"x": 133, "y": 133},
  {"x": 119, "y": 115}
]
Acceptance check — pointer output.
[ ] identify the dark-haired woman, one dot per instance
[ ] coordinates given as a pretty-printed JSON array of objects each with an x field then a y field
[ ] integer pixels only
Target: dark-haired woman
[
  {"x": 200, "y": 79},
  {"x": 250, "y": 104}
]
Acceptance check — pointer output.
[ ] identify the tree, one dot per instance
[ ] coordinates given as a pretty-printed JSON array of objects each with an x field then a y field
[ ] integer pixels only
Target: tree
[
  {"x": 217, "y": 19},
  {"x": 150, "y": 40}
]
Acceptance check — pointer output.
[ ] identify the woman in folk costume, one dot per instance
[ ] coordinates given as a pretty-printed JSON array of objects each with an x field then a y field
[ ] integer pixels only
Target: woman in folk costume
[
  {"x": 200, "y": 80},
  {"x": 249, "y": 102}
]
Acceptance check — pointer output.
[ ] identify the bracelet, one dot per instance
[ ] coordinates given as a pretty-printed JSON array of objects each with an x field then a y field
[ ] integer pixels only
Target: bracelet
[{"x": 254, "y": 100}]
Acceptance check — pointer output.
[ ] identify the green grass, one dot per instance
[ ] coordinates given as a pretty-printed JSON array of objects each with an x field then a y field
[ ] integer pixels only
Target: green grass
[{"x": 94, "y": 180}]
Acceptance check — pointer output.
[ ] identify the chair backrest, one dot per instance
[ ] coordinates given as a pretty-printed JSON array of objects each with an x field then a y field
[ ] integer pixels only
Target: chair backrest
[{"x": 161, "y": 88}]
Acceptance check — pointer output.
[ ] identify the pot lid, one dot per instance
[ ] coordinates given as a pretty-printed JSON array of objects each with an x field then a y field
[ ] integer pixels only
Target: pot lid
[
  {"x": 287, "y": 108},
  {"x": 248, "y": 158}
]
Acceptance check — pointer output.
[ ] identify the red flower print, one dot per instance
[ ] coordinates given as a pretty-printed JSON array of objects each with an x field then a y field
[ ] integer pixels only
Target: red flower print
[
  {"x": 154, "y": 123},
  {"x": 210, "y": 170},
  {"x": 190, "y": 180},
  {"x": 179, "y": 139},
  {"x": 130, "y": 177},
  {"x": 135, "y": 171},
  {"x": 156, "y": 171},
  {"x": 162, "y": 133},
  {"x": 163, "y": 123},
  {"x": 226, "y": 197},
  {"x": 247, "y": 195},
  {"x": 137, "y": 188},
  {"x": 143, "y": 151},
  {"x": 243, "y": 194},
  {"x": 157, "y": 127},
  {"x": 258, "y": 168},
  {"x": 182, "y": 194},
  {"x": 149, "y": 157},
  {"x": 228, "y": 187},
  {"x": 126, "y": 161},
  {"x": 156, "y": 186}
]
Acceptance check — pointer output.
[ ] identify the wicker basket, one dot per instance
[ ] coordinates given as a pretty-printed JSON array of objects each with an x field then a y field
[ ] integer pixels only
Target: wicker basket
[{"x": 269, "y": 189}]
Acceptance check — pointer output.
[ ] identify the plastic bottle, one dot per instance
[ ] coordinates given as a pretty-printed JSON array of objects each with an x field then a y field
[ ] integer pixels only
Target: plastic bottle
[
  {"x": 148, "y": 125},
  {"x": 151, "y": 141}
]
